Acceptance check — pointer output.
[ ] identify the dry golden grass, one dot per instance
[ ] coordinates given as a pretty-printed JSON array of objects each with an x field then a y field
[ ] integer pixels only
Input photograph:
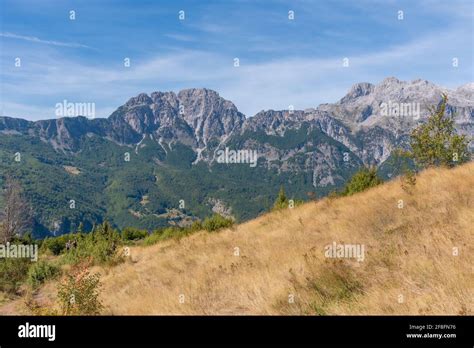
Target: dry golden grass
[{"x": 408, "y": 253}]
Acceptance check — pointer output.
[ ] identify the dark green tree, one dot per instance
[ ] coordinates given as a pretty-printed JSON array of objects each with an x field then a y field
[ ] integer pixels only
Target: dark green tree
[{"x": 362, "y": 180}]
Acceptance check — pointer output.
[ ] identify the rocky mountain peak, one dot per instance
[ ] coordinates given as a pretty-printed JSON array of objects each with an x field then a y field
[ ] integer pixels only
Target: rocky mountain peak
[
  {"x": 193, "y": 116},
  {"x": 208, "y": 113},
  {"x": 165, "y": 98},
  {"x": 358, "y": 90},
  {"x": 390, "y": 81},
  {"x": 199, "y": 101},
  {"x": 396, "y": 106},
  {"x": 467, "y": 87},
  {"x": 141, "y": 99},
  {"x": 197, "y": 115},
  {"x": 466, "y": 90},
  {"x": 275, "y": 122}
]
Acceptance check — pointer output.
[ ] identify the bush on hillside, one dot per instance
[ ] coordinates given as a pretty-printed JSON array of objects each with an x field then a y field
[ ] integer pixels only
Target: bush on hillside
[
  {"x": 41, "y": 271},
  {"x": 13, "y": 273},
  {"x": 196, "y": 226},
  {"x": 166, "y": 233},
  {"x": 216, "y": 222},
  {"x": 78, "y": 293},
  {"x": 56, "y": 245},
  {"x": 362, "y": 180},
  {"x": 100, "y": 246},
  {"x": 131, "y": 233},
  {"x": 153, "y": 238}
]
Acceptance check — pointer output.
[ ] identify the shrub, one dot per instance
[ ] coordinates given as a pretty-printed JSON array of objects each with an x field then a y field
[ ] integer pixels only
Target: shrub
[
  {"x": 55, "y": 245},
  {"x": 195, "y": 226},
  {"x": 130, "y": 233},
  {"x": 153, "y": 238},
  {"x": 100, "y": 246},
  {"x": 166, "y": 233},
  {"x": 13, "y": 272},
  {"x": 40, "y": 272},
  {"x": 216, "y": 222},
  {"x": 78, "y": 293},
  {"x": 362, "y": 180},
  {"x": 169, "y": 232}
]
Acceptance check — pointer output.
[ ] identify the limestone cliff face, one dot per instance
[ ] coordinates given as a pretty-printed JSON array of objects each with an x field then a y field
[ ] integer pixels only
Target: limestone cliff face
[{"x": 209, "y": 115}]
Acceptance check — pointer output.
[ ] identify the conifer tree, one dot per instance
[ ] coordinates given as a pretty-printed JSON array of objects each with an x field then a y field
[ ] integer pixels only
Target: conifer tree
[{"x": 281, "y": 201}]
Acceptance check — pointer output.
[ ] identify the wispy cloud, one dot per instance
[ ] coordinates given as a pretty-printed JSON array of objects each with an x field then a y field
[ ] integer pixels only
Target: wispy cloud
[
  {"x": 41, "y": 41},
  {"x": 299, "y": 81},
  {"x": 181, "y": 37},
  {"x": 282, "y": 63}
]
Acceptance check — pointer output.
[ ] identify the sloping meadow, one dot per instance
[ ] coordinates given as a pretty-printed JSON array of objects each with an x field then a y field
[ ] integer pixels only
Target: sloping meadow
[{"x": 387, "y": 250}]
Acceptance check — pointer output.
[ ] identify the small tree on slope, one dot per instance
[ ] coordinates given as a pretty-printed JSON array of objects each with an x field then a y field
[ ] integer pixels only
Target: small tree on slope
[
  {"x": 435, "y": 143},
  {"x": 281, "y": 201}
]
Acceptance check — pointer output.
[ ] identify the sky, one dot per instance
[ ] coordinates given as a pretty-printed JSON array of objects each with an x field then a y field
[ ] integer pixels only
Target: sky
[{"x": 282, "y": 59}]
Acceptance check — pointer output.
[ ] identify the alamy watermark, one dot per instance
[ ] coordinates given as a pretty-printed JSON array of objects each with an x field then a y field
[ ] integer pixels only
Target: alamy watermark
[
  {"x": 28, "y": 330},
  {"x": 237, "y": 156},
  {"x": 74, "y": 109},
  {"x": 395, "y": 109},
  {"x": 345, "y": 251},
  {"x": 19, "y": 251}
]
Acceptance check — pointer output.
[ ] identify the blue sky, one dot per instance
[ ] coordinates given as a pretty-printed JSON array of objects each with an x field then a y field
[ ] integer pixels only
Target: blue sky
[{"x": 282, "y": 62}]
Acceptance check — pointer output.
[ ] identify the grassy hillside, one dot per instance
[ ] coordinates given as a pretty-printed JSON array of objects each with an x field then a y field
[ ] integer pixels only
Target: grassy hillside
[{"x": 410, "y": 266}]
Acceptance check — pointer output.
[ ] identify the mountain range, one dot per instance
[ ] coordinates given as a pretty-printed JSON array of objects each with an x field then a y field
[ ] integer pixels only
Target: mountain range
[{"x": 154, "y": 161}]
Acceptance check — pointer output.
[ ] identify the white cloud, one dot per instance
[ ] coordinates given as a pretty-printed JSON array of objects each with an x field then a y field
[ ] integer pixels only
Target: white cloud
[
  {"x": 300, "y": 81},
  {"x": 38, "y": 40},
  {"x": 180, "y": 37}
]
